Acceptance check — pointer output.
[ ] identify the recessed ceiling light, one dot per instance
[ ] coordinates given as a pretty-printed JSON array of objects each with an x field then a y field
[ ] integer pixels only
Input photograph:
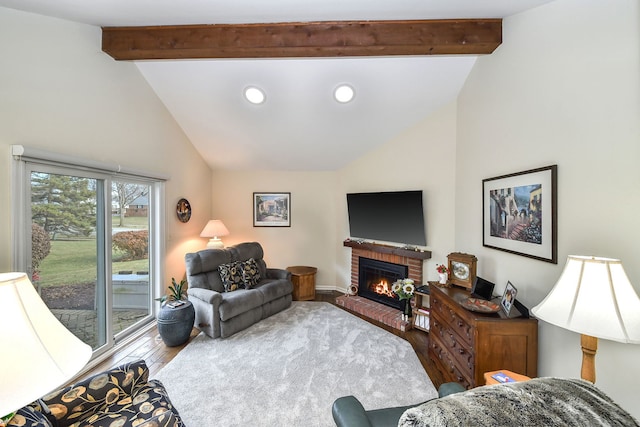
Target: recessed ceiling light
[
  {"x": 254, "y": 95},
  {"x": 344, "y": 93}
]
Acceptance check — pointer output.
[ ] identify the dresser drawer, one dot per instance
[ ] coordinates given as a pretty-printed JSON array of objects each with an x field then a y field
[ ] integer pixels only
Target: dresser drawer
[
  {"x": 456, "y": 323},
  {"x": 446, "y": 365},
  {"x": 457, "y": 350},
  {"x": 463, "y": 344}
]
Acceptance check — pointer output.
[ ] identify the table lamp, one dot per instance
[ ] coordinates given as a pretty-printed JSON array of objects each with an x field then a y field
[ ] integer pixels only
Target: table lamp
[
  {"x": 214, "y": 229},
  {"x": 38, "y": 352},
  {"x": 594, "y": 298}
]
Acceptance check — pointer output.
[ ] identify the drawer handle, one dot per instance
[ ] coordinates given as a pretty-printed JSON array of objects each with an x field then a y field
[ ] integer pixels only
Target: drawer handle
[{"x": 453, "y": 340}]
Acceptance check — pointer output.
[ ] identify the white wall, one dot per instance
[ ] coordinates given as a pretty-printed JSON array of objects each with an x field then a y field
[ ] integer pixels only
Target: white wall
[
  {"x": 309, "y": 240},
  {"x": 421, "y": 158},
  {"x": 564, "y": 88},
  {"x": 59, "y": 92}
]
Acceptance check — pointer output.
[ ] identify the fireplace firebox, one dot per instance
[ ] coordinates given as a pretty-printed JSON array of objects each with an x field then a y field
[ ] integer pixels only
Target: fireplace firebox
[{"x": 375, "y": 279}]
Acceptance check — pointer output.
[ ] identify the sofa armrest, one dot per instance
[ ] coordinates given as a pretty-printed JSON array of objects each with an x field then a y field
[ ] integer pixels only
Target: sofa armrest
[
  {"x": 30, "y": 415},
  {"x": 165, "y": 419},
  {"x": 278, "y": 273},
  {"x": 206, "y": 295},
  {"x": 450, "y": 388},
  {"x": 83, "y": 399},
  {"x": 348, "y": 412}
]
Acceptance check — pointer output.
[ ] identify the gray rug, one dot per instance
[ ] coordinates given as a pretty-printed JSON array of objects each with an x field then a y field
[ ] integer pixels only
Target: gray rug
[{"x": 289, "y": 368}]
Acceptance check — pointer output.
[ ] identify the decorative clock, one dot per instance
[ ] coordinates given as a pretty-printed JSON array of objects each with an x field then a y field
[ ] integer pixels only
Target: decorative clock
[
  {"x": 462, "y": 269},
  {"x": 183, "y": 210}
]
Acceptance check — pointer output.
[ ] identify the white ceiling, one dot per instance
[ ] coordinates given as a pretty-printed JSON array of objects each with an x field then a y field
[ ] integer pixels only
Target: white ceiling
[{"x": 300, "y": 126}]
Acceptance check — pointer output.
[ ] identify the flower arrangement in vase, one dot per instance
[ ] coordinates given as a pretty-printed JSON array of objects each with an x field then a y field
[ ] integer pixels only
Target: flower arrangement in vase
[
  {"x": 404, "y": 289},
  {"x": 443, "y": 273}
]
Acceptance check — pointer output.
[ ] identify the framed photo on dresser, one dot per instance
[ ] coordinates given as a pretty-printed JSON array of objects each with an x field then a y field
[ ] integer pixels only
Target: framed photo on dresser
[{"x": 508, "y": 298}]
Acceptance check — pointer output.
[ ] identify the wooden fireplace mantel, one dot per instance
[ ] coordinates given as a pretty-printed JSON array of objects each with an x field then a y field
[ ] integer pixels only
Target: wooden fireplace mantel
[{"x": 387, "y": 249}]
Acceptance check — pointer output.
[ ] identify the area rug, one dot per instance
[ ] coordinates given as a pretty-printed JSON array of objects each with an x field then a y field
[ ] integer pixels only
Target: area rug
[{"x": 289, "y": 368}]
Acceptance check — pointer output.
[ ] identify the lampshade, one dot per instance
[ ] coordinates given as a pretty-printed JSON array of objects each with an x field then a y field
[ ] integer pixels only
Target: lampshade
[
  {"x": 214, "y": 229},
  {"x": 38, "y": 352},
  {"x": 594, "y": 297}
]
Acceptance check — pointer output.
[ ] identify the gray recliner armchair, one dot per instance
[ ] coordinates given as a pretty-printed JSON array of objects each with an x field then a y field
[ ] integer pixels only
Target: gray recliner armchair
[
  {"x": 232, "y": 288},
  {"x": 348, "y": 411}
]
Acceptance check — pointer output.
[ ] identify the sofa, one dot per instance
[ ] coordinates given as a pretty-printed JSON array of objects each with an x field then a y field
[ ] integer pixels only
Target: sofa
[
  {"x": 232, "y": 288},
  {"x": 123, "y": 396},
  {"x": 537, "y": 402}
]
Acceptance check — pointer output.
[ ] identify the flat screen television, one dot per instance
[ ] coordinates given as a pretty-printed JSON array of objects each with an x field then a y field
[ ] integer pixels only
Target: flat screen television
[{"x": 391, "y": 216}]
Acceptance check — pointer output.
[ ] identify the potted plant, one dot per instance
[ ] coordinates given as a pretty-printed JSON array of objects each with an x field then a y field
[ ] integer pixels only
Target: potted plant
[
  {"x": 177, "y": 292},
  {"x": 176, "y": 316}
]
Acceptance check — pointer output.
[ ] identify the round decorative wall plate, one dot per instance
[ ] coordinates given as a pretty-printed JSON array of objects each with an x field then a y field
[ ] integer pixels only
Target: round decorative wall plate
[{"x": 183, "y": 210}]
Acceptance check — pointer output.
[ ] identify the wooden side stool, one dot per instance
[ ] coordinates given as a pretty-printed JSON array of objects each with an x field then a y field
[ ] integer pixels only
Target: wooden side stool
[{"x": 304, "y": 282}]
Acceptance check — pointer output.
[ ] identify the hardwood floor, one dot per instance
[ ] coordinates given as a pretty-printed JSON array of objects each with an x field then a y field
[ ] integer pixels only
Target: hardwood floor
[{"x": 151, "y": 348}]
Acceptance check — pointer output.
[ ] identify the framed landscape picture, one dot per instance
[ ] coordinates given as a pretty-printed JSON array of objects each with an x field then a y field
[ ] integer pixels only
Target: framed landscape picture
[
  {"x": 271, "y": 209},
  {"x": 519, "y": 213}
]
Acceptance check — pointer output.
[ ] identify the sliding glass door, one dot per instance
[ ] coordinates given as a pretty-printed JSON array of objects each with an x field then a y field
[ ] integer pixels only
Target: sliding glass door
[
  {"x": 130, "y": 265},
  {"x": 89, "y": 250}
]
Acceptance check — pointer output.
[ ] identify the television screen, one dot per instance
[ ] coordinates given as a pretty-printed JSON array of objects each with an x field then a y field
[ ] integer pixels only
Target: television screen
[{"x": 393, "y": 216}]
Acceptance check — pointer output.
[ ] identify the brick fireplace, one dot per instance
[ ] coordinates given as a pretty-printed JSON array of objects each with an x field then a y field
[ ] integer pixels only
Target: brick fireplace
[
  {"x": 372, "y": 309},
  {"x": 376, "y": 278}
]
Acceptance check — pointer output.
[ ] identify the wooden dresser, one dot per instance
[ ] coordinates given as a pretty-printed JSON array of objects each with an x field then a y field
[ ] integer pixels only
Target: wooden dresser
[{"x": 465, "y": 344}]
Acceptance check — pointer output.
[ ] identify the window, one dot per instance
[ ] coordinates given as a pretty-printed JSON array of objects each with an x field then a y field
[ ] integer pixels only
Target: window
[{"x": 90, "y": 240}]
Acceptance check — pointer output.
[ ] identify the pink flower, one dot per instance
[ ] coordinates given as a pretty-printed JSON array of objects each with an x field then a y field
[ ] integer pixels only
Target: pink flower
[{"x": 442, "y": 269}]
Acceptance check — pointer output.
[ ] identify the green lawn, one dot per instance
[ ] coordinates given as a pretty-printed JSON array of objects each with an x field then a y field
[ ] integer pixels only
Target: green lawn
[
  {"x": 140, "y": 222},
  {"x": 74, "y": 262}
]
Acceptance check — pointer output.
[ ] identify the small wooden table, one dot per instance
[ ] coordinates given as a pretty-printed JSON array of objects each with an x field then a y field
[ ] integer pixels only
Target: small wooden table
[
  {"x": 488, "y": 379},
  {"x": 304, "y": 282}
]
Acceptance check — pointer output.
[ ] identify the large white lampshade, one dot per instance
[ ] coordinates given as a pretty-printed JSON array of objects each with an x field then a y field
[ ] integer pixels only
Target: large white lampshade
[
  {"x": 593, "y": 297},
  {"x": 214, "y": 229},
  {"x": 38, "y": 353}
]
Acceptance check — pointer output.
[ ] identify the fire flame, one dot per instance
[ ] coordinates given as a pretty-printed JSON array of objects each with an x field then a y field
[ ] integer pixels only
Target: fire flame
[{"x": 382, "y": 288}]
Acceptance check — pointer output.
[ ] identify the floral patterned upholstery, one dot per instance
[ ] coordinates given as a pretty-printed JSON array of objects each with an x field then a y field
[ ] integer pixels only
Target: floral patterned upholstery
[{"x": 121, "y": 397}]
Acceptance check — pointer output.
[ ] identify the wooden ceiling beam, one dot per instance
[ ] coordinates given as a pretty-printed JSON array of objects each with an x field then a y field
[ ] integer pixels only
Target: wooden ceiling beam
[{"x": 304, "y": 39}]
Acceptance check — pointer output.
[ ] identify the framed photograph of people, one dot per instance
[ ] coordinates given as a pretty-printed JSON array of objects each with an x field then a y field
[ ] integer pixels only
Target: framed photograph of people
[{"x": 508, "y": 298}]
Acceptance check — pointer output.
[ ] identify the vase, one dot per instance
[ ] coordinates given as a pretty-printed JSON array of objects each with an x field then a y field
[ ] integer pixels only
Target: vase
[
  {"x": 443, "y": 278},
  {"x": 406, "y": 309}
]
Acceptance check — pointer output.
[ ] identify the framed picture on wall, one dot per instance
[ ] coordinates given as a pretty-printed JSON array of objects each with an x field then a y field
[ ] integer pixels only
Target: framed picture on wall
[
  {"x": 272, "y": 209},
  {"x": 519, "y": 213}
]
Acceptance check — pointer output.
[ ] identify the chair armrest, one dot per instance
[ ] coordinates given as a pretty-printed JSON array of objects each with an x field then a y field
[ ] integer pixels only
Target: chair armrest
[
  {"x": 450, "y": 388},
  {"x": 206, "y": 295},
  {"x": 348, "y": 412},
  {"x": 278, "y": 273}
]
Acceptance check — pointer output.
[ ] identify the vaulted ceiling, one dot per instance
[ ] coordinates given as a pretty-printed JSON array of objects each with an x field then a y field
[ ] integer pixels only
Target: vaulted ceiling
[{"x": 300, "y": 126}]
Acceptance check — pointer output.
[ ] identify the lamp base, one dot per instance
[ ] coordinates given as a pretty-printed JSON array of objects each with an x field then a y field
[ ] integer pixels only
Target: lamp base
[
  {"x": 589, "y": 347},
  {"x": 215, "y": 243}
]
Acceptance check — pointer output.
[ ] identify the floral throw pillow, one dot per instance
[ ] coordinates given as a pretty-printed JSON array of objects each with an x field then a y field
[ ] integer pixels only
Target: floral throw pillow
[
  {"x": 231, "y": 275},
  {"x": 250, "y": 273}
]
